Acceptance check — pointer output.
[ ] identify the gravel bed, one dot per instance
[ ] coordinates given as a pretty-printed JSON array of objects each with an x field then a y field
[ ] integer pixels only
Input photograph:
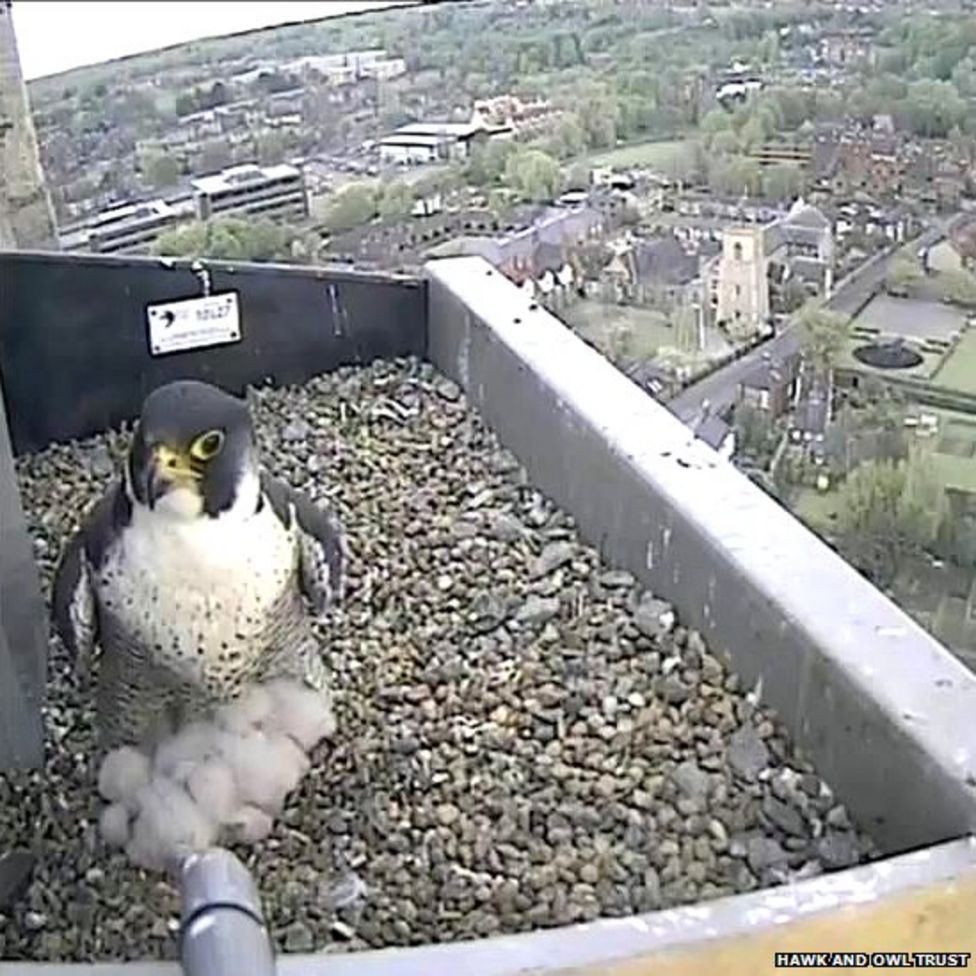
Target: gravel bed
[{"x": 526, "y": 738}]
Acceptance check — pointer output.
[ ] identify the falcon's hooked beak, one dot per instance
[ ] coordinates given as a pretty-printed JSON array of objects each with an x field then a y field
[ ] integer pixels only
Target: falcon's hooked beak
[{"x": 168, "y": 470}]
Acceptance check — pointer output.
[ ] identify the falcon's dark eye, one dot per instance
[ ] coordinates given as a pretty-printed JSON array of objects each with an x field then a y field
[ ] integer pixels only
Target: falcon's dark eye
[{"x": 208, "y": 445}]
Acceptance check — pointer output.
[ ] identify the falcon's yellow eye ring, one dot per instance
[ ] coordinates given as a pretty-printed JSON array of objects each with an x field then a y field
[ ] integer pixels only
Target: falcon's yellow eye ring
[{"x": 207, "y": 446}]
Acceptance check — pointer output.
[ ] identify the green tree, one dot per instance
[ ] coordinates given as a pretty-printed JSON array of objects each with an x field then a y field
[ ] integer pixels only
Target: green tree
[
  {"x": 229, "y": 239},
  {"x": 932, "y": 108},
  {"x": 162, "y": 171},
  {"x": 824, "y": 335},
  {"x": 534, "y": 175},
  {"x": 959, "y": 287},
  {"x": 686, "y": 163},
  {"x": 487, "y": 164},
  {"x": 753, "y": 133},
  {"x": 569, "y": 139},
  {"x": 353, "y": 206},
  {"x": 782, "y": 182},
  {"x": 714, "y": 121},
  {"x": 599, "y": 116},
  {"x": 889, "y": 511},
  {"x": 397, "y": 200},
  {"x": 903, "y": 276},
  {"x": 725, "y": 143},
  {"x": 734, "y": 176},
  {"x": 755, "y": 432},
  {"x": 186, "y": 103}
]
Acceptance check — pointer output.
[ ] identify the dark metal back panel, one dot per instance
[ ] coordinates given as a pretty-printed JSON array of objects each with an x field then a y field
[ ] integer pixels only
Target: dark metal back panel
[
  {"x": 23, "y": 626},
  {"x": 74, "y": 350}
]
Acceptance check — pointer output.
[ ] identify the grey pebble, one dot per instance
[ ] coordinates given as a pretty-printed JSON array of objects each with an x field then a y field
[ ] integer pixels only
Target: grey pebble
[
  {"x": 296, "y": 430},
  {"x": 747, "y": 753},
  {"x": 653, "y": 617},
  {"x": 537, "y": 610}
]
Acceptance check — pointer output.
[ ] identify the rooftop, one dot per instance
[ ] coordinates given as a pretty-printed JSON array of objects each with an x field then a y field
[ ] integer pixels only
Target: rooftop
[
  {"x": 237, "y": 176},
  {"x": 133, "y": 213},
  {"x": 451, "y": 130}
]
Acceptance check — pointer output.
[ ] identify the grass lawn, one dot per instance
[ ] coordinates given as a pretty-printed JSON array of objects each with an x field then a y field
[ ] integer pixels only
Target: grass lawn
[
  {"x": 817, "y": 509},
  {"x": 639, "y": 154},
  {"x": 959, "y": 370},
  {"x": 595, "y": 321}
]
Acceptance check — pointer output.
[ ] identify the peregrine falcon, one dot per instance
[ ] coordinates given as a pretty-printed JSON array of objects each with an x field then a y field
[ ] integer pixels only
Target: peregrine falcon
[{"x": 193, "y": 572}]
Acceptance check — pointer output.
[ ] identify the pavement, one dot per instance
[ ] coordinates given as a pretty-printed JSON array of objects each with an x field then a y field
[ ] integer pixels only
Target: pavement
[{"x": 718, "y": 390}]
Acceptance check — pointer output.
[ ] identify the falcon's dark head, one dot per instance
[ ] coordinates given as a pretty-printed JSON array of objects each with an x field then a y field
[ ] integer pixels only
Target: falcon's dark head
[{"x": 193, "y": 449}]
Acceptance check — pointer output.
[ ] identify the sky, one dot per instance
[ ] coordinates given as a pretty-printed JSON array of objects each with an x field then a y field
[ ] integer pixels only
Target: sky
[{"x": 55, "y": 35}]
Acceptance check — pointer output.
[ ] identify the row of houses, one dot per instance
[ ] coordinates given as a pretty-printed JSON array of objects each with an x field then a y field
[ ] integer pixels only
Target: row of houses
[{"x": 777, "y": 387}]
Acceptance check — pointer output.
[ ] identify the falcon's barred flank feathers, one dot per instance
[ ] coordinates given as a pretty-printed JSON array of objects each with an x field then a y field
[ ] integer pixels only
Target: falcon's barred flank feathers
[{"x": 193, "y": 572}]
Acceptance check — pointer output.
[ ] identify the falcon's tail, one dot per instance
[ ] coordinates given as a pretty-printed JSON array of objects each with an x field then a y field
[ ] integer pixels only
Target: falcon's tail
[{"x": 222, "y": 780}]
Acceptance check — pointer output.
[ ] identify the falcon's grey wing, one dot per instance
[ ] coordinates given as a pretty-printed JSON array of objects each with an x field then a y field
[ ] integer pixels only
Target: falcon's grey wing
[
  {"x": 74, "y": 606},
  {"x": 321, "y": 541}
]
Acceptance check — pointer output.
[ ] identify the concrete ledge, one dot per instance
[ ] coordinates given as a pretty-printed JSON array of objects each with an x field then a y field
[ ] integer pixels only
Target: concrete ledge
[
  {"x": 882, "y": 708},
  {"x": 847, "y": 911}
]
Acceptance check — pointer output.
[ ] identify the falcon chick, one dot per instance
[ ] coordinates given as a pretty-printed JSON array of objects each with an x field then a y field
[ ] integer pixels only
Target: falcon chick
[{"x": 192, "y": 573}]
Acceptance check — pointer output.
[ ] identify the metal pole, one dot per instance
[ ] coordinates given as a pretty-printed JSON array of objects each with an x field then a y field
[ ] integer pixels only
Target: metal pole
[{"x": 222, "y": 931}]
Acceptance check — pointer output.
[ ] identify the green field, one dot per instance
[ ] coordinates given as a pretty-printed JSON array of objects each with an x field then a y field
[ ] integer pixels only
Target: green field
[
  {"x": 817, "y": 509},
  {"x": 640, "y": 154},
  {"x": 596, "y": 322},
  {"x": 959, "y": 370}
]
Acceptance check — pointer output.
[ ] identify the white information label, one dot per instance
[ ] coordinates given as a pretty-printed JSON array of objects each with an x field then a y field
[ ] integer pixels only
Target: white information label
[{"x": 194, "y": 323}]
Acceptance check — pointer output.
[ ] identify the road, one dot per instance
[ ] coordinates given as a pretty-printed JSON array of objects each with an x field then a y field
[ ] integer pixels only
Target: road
[{"x": 719, "y": 389}]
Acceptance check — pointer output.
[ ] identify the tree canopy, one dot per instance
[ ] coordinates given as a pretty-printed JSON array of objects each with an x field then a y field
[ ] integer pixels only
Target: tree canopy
[
  {"x": 824, "y": 335},
  {"x": 888, "y": 511},
  {"x": 229, "y": 239}
]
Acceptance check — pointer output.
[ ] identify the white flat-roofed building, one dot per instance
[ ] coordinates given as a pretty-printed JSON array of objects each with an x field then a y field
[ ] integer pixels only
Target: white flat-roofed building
[
  {"x": 261, "y": 191},
  {"x": 132, "y": 228},
  {"x": 427, "y": 142}
]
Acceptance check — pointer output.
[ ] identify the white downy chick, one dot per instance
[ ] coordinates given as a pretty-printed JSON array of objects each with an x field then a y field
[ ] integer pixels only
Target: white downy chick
[
  {"x": 169, "y": 825},
  {"x": 246, "y": 713},
  {"x": 113, "y": 825},
  {"x": 180, "y": 754},
  {"x": 123, "y": 773},
  {"x": 302, "y": 713},
  {"x": 265, "y": 770},
  {"x": 248, "y": 825},
  {"x": 213, "y": 788}
]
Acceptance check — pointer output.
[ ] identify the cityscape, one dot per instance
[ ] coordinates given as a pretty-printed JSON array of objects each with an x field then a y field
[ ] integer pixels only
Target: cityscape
[{"x": 788, "y": 171}]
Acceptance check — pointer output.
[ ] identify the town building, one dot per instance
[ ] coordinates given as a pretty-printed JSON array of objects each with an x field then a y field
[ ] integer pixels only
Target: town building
[
  {"x": 273, "y": 191},
  {"x": 770, "y": 387},
  {"x": 525, "y": 118},
  {"x": 538, "y": 251},
  {"x": 743, "y": 285},
  {"x": 956, "y": 252},
  {"x": 131, "y": 228},
  {"x": 429, "y": 142},
  {"x": 801, "y": 245}
]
